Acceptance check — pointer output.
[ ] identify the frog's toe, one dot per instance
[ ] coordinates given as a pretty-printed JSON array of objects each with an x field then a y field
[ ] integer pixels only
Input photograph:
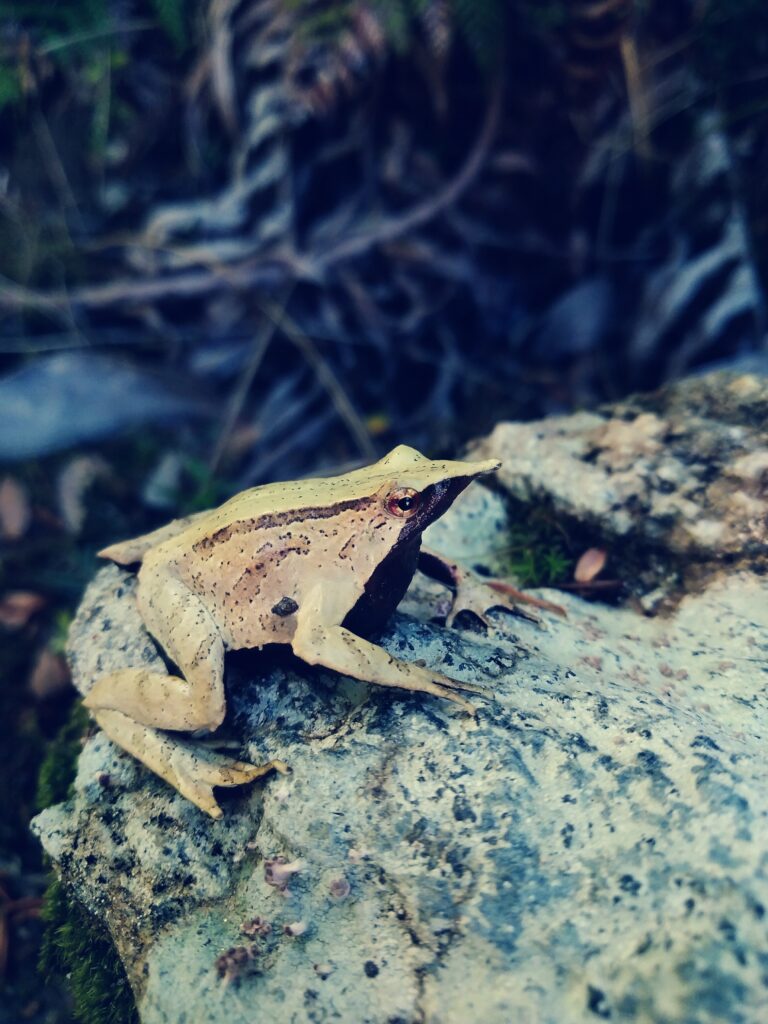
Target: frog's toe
[
  {"x": 198, "y": 773},
  {"x": 448, "y": 687},
  {"x": 188, "y": 767},
  {"x": 457, "y": 684},
  {"x": 254, "y": 771},
  {"x": 479, "y": 596}
]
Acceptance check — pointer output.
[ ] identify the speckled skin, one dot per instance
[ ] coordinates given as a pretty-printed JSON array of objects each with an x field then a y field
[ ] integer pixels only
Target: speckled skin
[{"x": 310, "y": 563}]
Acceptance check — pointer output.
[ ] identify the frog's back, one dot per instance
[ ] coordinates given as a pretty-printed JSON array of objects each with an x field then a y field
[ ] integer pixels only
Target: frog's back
[
  {"x": 269, "y": 504},
  {"x": 254, "y": 508}
]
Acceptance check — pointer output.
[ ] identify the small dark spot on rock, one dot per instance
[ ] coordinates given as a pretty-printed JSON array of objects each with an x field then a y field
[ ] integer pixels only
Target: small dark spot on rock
[
  {"x": 370, "y": 968},
  {"x": 727, "y": 929},
  {"x": 596, "y": 1002},
  {"x": 704, "y": 741},
  {"x": 650, "y": 761},
  {"x": 627, "y": 883},
  {"x": 454, "y": 858},
  {"x": 577, "y": 742},
  {"x": 462, "y": 809}
]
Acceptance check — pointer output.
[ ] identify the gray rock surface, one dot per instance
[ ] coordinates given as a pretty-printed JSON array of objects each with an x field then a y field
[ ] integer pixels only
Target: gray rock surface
[
  {"x": 678, "y": 478},
  {"x": 592, "y": 846}
]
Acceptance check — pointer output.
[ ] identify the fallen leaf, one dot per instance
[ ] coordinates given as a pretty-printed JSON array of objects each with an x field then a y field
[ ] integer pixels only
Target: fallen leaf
[
  {"x": 49, "y": 675},
  {"x": 15, "y": 512},
  {"x": 591, "y": 564},
  {"x": 72, "y": 486},
  {"x": 18, "y": 606}
]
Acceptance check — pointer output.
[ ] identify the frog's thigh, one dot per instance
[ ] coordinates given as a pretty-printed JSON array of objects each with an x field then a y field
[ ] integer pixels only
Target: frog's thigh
[
  {"x": 177, "y": 618},
  {"x": 319, "y": 643},
  {"x": 188, "y": 768}
]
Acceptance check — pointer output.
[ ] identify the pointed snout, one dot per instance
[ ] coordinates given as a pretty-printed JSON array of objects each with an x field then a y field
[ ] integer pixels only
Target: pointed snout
[
  {"x": 483, "y": 467},
  {"x": 411, "y": 468},
  {"x": 468, "y": 469}
]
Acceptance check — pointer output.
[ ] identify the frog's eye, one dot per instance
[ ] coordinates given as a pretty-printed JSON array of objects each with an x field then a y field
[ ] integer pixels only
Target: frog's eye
[{"x": 403, "y": 502}]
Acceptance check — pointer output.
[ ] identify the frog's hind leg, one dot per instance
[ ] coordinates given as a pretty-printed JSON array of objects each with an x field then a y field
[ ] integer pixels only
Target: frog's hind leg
[
  {"x": 319, "y": 642},
  {"x": 133, "y": 703},
  {"x": 192, "y": 770},
  {"x": 184, "y": 627}
]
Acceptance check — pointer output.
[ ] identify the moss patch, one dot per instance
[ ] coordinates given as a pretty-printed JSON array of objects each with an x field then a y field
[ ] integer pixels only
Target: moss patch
[
  {"x": 57, "y": 772},
  {"x": 76, "y": 945},
  {"x": 540, "y": 550}
]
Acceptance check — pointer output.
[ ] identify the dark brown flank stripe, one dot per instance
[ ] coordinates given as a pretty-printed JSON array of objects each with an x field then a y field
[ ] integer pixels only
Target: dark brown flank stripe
[{"x": 272, "y": 519}]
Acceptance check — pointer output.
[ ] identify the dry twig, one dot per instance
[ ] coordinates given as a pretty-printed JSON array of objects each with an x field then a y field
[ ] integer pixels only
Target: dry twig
[{"x": 263, "y": 271}]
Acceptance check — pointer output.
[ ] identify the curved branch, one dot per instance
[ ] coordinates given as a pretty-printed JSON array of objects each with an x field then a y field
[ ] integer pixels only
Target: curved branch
[
  {"x": 267, "y": 271},
  {"x": 395, "y": 227}
]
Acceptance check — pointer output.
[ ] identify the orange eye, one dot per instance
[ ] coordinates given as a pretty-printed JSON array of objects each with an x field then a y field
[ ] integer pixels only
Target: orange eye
[{"x": 403, "y": 502}]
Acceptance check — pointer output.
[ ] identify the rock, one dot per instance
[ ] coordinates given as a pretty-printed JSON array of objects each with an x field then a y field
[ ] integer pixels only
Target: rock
[
  {"x": 679, "y": 477},
  {"x": 592, "y": 846}
]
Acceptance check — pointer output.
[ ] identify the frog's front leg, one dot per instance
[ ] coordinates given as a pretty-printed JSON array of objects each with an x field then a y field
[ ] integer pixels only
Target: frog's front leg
[
  {"x": 473, "y": 593},
  {"x": 320, "y": 639}
]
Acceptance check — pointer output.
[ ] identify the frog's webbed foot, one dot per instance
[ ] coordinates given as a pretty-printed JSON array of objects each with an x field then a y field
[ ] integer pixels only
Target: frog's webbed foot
[
  {"x": 337, "y": 648},
  {"x": 190, "y": 769},
  {"x": 476, "y": 594}
]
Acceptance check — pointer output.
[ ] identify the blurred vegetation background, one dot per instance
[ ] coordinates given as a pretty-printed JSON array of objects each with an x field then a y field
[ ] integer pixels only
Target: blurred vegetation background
[{"x": 246, "y": 240}]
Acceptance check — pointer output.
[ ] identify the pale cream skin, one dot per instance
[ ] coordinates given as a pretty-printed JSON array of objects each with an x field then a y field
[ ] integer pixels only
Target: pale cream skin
[{"x": 283, "y": 563}]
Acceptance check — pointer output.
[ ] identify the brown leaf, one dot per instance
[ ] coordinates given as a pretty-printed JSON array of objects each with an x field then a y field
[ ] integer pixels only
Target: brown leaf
[
  {"x": 49, "y": 675},
  {"x": 18, "y": 606},
  {"x": 591, "y": 564},
  {"x": 72, "y": 486},
  {"x": 15, "y": 512}
]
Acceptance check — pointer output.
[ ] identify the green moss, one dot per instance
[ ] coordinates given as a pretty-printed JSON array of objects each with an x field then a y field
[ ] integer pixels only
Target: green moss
[
  {"x": 78, "y": 946},
  {"x": 59, "y": 766},
  {"x": 540, "y": 551}
]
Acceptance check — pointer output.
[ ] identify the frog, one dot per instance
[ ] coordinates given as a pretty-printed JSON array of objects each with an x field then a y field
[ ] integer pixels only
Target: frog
[{"x": 316, "y": 564}]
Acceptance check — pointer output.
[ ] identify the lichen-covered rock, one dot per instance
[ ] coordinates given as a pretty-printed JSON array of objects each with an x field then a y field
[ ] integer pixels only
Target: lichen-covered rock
[
  {"x": 592, "y": 846},
  {"x": 680, "y": 475}
]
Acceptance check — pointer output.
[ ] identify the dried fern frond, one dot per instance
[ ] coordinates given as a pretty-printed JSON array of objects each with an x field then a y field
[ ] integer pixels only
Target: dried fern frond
[{"x": 325, "y": 67}]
